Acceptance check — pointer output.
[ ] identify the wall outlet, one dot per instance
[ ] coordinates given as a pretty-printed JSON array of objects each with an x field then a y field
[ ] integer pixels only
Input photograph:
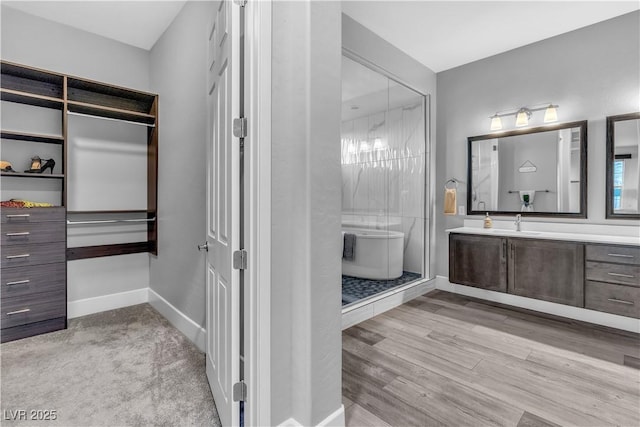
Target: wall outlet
[{"x": 462, "y": 210}]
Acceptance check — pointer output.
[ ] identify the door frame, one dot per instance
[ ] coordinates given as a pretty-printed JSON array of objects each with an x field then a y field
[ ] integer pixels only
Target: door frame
[{"x": 257, "y": 213}]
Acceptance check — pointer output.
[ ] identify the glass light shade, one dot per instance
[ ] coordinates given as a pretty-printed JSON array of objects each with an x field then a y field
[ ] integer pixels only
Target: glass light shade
[
  {"x": 522, "y": 117},
  {"x": 496, "y": 123},
  {"x": 365, "y": 146},
  {"x": 551, "y": 114}
]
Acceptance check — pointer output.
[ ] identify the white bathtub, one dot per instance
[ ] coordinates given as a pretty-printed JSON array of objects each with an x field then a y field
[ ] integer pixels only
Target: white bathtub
[{"x": 378, "y": 254}]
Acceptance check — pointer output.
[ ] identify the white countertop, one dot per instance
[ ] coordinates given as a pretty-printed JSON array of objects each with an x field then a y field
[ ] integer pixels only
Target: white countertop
[{"x": 549, "y": 235}]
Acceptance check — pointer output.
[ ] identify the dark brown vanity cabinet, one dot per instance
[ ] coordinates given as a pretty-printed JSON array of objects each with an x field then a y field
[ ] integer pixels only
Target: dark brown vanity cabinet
[
  {"x": 479, "y": 261},
  {"x": 547, "y": 270},
  {"x": 613, "y": 279},
  {"x": 542, "y": 269}
]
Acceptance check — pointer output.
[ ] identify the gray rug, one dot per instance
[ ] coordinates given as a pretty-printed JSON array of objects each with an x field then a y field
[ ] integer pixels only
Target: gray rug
[{"x": 125, "y": 367}]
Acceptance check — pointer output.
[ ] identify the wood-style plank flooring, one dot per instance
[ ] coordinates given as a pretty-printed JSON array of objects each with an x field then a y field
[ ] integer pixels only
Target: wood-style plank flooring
[{"x": 445, "y": 359}]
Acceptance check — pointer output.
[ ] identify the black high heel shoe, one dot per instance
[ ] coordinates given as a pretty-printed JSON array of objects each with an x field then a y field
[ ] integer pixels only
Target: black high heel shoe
[{"x": 47, "y": 164}]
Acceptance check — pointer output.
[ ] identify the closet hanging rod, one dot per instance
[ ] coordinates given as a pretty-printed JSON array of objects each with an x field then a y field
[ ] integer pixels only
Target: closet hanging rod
[
  {"x": 94, "y": 116},
  {"x": 110, "y": 221}
]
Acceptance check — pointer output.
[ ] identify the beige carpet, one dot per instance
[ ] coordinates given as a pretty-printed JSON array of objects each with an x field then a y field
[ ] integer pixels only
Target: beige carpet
[{"x": 125, "y": 367}]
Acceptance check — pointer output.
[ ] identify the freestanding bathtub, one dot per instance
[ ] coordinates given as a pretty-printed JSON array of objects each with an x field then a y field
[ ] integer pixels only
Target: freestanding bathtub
[{"x": 378, "y": 254}]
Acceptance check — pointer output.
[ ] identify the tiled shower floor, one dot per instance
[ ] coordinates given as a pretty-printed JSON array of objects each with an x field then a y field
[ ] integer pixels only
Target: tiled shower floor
[{"x": 354, "y": 288}]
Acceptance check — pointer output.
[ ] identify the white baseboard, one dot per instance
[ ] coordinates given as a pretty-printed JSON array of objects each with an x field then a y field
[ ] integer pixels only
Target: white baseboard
[
  {"x": 336, "y": 419},
  {"x": 576, "y": 313},
  {"x": 179, "y": 320},
  {"x": 291, "y": 422},
  {"x": 106, "y": 302},
  {"x": 370, "y": 308}
]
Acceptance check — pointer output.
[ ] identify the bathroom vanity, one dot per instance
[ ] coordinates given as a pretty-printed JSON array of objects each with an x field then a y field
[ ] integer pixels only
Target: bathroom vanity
[{"x": 596, "y": 272}]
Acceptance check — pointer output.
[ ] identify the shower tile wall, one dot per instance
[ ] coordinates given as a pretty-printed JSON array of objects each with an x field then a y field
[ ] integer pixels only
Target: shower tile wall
[{"x": 383, "y": 175}]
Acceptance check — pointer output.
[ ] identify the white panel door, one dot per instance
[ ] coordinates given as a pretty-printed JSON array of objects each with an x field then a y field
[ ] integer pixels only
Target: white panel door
[{"x": 222, "y": 281}]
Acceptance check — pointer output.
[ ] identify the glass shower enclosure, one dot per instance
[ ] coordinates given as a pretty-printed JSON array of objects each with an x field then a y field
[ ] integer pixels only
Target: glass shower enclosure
[{"x": 384, "y": 175}]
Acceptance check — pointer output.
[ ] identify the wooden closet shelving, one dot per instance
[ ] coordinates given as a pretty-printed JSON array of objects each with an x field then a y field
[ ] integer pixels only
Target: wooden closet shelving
[
  {"x": 33, "y": 289},
  {"x": 75, "y": 95},
  {"x": 31, "y": 137},
  {"x": 44, "y": 175}
]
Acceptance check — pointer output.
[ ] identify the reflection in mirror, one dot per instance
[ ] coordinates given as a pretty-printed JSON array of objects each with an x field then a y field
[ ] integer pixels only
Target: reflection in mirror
[
  {"x": 623, "y": 165},
  {"x": 539, "y": 171}
]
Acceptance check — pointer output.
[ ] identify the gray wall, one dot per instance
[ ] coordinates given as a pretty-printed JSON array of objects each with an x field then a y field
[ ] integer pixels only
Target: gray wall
[
  {"x": 591, "y": 73},
  {"x": 305, "y": 283},
  {"x": 178, "y": 64},
  {"x": 30, "y": 40},
  {"x": 37, "y": 42}
]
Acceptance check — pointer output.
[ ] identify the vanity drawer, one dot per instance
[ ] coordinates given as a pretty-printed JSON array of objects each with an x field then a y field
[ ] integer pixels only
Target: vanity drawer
[
  {"x": 614, "y": 273},
  {"x": 32, "y": 308},
  {"x": 614, "y": 253},
  {"x": 28, "y": 255},
  {"x": 19, "y": 281},
  {"x": 22, "y": 215},
  {"x": 33, "y": 232},
  {"x": 610, "y": 298}
]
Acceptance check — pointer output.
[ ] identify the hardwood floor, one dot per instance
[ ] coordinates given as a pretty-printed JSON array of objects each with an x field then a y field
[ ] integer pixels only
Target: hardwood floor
[{"x": 445, "y": 359}]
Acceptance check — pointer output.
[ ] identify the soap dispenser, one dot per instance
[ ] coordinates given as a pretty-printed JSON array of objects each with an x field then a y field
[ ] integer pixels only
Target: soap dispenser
[{"x": 488, "y": 222}]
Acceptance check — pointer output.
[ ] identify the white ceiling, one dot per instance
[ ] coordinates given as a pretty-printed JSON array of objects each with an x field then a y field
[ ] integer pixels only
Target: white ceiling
[
  {"x": 136, "y": 23},
  {"x": 440, "y": 34},
  {"x": 446, "y": 34}
]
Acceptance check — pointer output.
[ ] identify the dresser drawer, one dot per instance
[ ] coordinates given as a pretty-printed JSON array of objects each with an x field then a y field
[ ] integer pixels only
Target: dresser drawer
[
  {"x": 19, "y": 281},
  {"x": 610, "y": 298},
  {"x": 32, "y": 308},
  {"x": 33, "y": 232},
  {"x": 614, "y": 273},
  {"x": 28, "y": 255},
  {"x": 22, "y": 215},
  {"x": 31, "y": 329},
  {"x": 614, "y": 253}
]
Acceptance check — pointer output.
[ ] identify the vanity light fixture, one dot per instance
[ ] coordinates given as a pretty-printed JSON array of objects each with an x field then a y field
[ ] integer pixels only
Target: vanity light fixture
[
  {"x": 551, "y": 114},
  {"x": 523, "y": 115},
  {"x": 496, "y": 122}
]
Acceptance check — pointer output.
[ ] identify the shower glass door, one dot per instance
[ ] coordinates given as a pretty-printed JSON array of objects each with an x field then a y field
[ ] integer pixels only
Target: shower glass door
[{"x": 384, "y": 158}]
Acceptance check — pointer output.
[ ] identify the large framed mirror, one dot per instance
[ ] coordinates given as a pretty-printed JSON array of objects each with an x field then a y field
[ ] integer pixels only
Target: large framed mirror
[
  {"x": 540, "y": 171},
  {"x": 623, "y": 166}
]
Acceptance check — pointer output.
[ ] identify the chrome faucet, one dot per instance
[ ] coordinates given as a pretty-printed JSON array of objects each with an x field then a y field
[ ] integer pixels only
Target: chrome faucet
[{"x": 518, "y": 221}]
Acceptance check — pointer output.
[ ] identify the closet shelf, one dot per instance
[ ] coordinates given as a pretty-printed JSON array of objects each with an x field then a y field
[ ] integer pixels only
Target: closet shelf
[
  {"x": 19, "y": 97},
  {"x": 111, "y": 113},
  {"x": 32, "y": 137},
  {"x": 33, "y": 175}
]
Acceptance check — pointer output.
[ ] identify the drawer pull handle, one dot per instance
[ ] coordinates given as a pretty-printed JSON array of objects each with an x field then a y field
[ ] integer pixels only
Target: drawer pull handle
[
  {"x": 18, "y": 216},
  {"x": 18, "y": 256},
  {"x": 21, "y": 233},
  {"x": 620, "y": 301},
  {"x": 18, "y": 282},
  {"x": 621, "y": 255},
  {"x": 621, "y": 275},
  {"x": 24, "y": 310}
]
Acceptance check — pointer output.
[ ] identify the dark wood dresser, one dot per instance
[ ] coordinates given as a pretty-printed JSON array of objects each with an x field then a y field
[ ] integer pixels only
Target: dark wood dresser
[{"x": 33, "y": 274}]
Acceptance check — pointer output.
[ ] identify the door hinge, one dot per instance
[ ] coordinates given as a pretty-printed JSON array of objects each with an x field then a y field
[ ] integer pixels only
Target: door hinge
[
  {"x": 241, "y": 3},
  {"x": 240, "y": 259},
  {"x": 240, "y": 127},
  {"x": 240, "y": 392}
]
